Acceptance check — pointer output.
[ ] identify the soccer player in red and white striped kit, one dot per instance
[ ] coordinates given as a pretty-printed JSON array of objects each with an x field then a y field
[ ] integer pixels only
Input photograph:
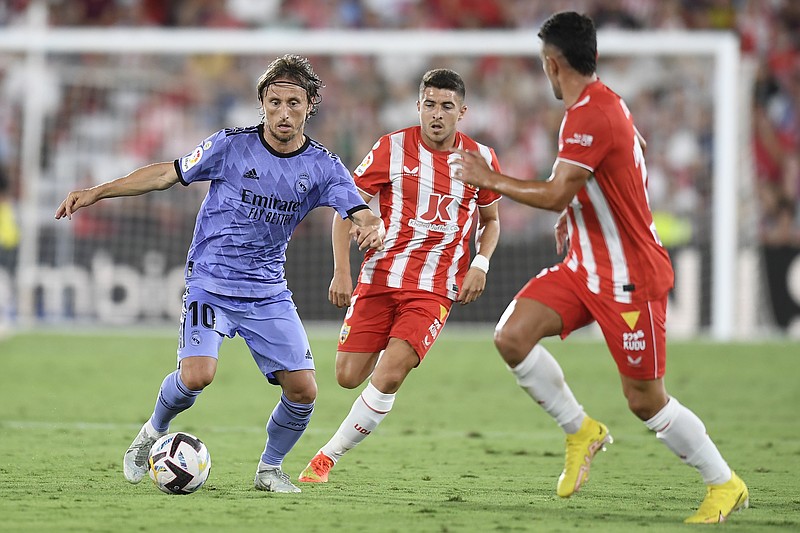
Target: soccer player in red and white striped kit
[
  {"x": 616, "y": 272},
  {"x": 405, "y": 291}
]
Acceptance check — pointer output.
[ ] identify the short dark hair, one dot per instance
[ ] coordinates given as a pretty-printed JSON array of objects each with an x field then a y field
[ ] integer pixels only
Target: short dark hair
[
  {"x": 295, "y": 68},
  {"x": 575, "y": 36},
  {"x": 443, "y": 78}
]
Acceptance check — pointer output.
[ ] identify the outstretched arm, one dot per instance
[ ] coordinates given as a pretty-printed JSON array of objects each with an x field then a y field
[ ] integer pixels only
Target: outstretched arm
[
  {"x": 554, "y": 194},
  {"x": 487, "y": 236},
  {"x": 158, "y": 176}
]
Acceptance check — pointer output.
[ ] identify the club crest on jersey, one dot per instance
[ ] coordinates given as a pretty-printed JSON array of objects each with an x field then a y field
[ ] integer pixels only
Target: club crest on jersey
[
  {"x": 303, "y": 184},
  {"x": 192, "y": 159},
  {"x": 344, "y": 333}
]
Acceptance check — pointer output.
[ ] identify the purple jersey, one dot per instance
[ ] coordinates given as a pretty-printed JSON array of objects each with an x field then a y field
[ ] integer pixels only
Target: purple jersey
[{"x": 256, "y": 199}]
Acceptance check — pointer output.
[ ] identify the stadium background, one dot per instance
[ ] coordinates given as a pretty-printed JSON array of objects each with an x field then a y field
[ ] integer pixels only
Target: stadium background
[{"x": 105, "y": 114}]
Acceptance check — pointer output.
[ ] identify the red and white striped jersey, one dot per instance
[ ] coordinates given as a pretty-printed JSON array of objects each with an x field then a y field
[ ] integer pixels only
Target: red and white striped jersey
[
  {"x": 613, "y": 246},
  {"x": 428, "y": 216}
]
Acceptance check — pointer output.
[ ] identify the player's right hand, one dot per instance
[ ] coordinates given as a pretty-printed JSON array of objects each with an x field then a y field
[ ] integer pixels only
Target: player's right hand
[
  {"x": 74, "y": 201},
  {"x": 340, "y": 290}
]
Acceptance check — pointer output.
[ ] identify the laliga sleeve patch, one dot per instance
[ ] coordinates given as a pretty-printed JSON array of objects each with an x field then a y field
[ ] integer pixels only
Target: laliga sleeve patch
[
  {"x": 192, "y": 159},
  {"x": 364, "y": 164}
]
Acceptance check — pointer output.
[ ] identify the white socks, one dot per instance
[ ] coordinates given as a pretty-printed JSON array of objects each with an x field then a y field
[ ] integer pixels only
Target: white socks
[
  {"x": 542, "y": 378},
  {"x": 684, "y": 433},
  {"x": 367, "y": 412},
  {"x": 679, "y": 428}
]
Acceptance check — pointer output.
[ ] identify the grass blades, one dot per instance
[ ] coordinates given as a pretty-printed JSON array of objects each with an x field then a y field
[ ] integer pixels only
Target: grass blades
[{"x": 464, "y": 449}]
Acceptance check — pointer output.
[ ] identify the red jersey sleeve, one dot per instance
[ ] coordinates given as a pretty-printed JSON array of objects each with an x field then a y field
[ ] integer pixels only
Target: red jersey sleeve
[
  {"x": 586, "y": 137},
  {"x": 485, "y": 196},
  {"x": 373, "y": 172}
]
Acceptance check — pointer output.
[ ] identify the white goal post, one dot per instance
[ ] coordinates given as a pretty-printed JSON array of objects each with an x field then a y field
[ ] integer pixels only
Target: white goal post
[{"x": 37, "y": 40}]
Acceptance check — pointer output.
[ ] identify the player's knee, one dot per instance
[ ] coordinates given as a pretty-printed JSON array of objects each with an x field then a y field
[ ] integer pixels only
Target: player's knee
[
  {"x": 307, "y": 395},
  {"x": 348, "y": 380},
  {"x": 643, "y": 406},
  {"x": 198, "y": 372},
  {"x": 197, "y": 379},
  {"x": 298, "y": 387},
  {"x": 512, "y": 345},
  {"x": 350, "y": 377}
]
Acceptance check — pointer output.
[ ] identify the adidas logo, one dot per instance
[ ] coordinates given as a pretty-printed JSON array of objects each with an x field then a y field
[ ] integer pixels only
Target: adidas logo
[
  {"x": 308, "y": 354},
  {"x": 251, "y": 174}
]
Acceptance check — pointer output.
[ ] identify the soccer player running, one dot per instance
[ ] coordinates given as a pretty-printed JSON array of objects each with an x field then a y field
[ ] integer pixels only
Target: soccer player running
[
  {"x": 615, "y": 272},
  {"x": 264, "y": 181},
  {"x": 404, "y": 292}
]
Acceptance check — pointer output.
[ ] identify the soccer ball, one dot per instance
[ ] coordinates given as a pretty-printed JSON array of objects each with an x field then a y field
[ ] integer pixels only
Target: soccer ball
[{"x": 179, "y": 463}]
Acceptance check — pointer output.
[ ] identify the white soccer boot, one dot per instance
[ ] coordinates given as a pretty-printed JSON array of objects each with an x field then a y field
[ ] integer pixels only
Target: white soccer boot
[
  {"x": 273, "y": 479},
  {"x": 134, "y": 464}
]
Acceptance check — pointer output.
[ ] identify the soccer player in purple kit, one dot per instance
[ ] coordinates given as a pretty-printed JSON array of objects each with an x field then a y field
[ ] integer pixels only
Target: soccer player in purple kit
[{"x": 264, "y": 180}]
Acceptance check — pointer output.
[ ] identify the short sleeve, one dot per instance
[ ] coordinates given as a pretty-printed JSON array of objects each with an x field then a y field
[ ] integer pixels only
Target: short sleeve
[
  {"x": 340, "y": 191},
  {"x": 373, "y": 172},
  {"x": 487, "y": 197},
  {"x": 586, "y": 137},
  {"x": 204, "y": 162}
]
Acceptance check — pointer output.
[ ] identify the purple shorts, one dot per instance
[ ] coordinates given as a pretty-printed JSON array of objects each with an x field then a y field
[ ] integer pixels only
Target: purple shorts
[{"x": 270, "y": 327}]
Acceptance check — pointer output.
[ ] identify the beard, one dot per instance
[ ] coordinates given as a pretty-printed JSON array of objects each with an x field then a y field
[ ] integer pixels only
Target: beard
[{"x": 282, "y": 137}]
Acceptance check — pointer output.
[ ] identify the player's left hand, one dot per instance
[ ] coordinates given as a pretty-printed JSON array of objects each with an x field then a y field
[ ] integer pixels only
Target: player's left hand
[
  {"x": 369, "y": 236},
  {"x": 472, "y": 288},
  {"x": 470, "y": 167}
]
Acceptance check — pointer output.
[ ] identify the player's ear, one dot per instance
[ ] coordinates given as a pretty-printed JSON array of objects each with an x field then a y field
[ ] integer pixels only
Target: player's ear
[
  {"x": 462, "y": 112},
  {"x": 551, "y": 65}
]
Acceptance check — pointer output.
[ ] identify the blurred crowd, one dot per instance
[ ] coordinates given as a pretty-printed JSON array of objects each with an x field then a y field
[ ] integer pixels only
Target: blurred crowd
[{"x": 132, "y": 110}]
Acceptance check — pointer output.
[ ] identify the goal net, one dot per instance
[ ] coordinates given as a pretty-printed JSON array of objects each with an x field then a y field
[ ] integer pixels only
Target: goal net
[{"x": 81, "y": 107}]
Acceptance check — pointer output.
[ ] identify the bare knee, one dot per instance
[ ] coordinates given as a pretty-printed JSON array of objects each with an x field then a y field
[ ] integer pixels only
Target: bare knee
[
  {"x": 353, "y": 368},
  {"x": 305, "y": 395},
  {"x": 513, "y": 344},
  {"x": 388, "y": 382},
  {"x": 398, "y": 360},
  {"x": 646, "y": 403},
  {"x": 198, "y": 372},
  {"x": 524, "y": 323},
  {"x": 299, "y": 386},
  {"x": 348, "y": 380}
]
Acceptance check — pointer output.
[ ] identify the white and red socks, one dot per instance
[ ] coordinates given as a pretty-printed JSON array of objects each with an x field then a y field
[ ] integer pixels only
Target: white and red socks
[
  {"x": 684, "y": 433},
  {"x": 369, "y": 409}
]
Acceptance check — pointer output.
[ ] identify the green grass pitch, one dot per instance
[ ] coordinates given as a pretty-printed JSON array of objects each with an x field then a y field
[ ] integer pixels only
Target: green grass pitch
[{"x": 463, "y": 450}]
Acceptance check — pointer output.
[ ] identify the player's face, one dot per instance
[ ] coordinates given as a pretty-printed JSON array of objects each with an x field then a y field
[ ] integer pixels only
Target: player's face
[
  {"x": 286, "y": 107},
  {"x": 550, "y": 66},
  {"x": 439, "y": 112}
]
